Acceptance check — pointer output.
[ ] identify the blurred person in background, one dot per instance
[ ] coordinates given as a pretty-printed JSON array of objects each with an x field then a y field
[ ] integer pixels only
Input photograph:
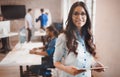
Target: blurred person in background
[
  {"x": 43, "y": 18},
  {"x": 46, "y": 51},
  {"x": 29, "y": 24}
]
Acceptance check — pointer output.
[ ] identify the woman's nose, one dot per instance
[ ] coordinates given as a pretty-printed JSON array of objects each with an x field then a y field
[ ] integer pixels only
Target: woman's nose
[{"x": 79, "y": 16}]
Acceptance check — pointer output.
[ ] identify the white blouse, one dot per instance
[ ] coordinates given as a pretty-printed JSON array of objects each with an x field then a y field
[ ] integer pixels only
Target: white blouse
[{"x": 83, "y": 60}]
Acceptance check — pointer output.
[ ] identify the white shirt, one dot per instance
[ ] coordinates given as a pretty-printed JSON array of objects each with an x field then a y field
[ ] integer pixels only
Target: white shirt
[
  {"x": 83, "y": 60},
  {"x": 28, "y": 18}
]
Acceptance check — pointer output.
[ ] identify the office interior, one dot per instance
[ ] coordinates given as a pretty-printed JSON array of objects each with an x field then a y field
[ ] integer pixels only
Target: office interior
[{"x": 106, "y": 27}]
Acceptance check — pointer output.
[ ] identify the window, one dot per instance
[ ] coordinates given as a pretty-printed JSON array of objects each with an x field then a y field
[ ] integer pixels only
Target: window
[{"x": 91, "y": 4}]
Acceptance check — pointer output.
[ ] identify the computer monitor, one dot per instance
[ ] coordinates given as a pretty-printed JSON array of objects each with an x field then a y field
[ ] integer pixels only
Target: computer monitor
[{"x": 4, "y": 27}]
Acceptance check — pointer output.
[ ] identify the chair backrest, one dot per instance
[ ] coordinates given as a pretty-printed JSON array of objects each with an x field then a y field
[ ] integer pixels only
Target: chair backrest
[
  {"x": 59, "y": 27},
  {"x": 48, "y": 60}
]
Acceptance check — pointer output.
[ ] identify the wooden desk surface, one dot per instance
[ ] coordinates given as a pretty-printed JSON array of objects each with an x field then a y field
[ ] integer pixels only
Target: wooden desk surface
[{"x": 20, "y": 55}]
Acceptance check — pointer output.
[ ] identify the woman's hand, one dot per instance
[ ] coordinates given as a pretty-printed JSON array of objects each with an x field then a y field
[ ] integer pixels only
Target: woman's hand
[
  {"x": 32, "y": 51},
  {"x": 35, "y": 48},
  {"x": 98, "y": 64},
  {"x": 69, "y": 69},
  {"x": 73, "y": 70}
]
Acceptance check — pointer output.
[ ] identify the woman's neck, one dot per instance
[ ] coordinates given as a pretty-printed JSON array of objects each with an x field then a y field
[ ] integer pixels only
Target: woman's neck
[{"x": 79, "y": 30}]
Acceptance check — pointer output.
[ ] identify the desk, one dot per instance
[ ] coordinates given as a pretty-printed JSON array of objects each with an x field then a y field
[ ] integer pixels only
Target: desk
[
  {"x": 41, "y": 33},
  {"x": 5, "y": 40},
  {"x": 20, "y": 56},
  {"x": 8, "y": 34}
]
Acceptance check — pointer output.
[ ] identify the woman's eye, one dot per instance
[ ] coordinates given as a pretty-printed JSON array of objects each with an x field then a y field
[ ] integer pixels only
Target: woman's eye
[
  {"x": 83, "y": 13},
  {"x": 77, "y": 13}
]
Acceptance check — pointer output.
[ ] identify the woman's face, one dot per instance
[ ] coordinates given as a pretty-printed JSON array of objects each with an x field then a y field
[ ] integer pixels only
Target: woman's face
[
  {"x": 48, "y": 33},
  {"x": 79, "y": 17}
]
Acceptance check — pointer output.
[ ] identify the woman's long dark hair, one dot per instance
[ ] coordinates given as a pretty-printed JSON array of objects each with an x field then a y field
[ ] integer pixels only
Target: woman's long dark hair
[
  {"x": 52, "y": 28},
  {"x": 85, "y": 31}
]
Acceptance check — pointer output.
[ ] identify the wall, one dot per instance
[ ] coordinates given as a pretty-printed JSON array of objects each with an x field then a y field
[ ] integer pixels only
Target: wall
[
  {"x": 52, "y": 5},
  {"x": 107, "y": 33}
]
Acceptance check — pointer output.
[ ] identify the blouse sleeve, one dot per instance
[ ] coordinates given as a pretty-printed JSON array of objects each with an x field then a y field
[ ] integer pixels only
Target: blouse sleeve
[{"x": 60, "y": 48}]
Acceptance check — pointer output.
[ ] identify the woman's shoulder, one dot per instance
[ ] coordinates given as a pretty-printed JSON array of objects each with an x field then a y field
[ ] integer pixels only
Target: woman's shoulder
[{"x": 62, "y": 37}]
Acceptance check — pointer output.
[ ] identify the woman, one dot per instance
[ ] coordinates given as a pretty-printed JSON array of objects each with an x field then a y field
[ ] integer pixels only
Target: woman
[
  {"x": 75, "y": 49},
  {"x": 46, "y": 51}
]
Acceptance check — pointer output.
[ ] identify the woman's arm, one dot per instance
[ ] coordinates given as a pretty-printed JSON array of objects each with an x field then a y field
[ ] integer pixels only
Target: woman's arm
[
  {"x": 69, "y": 69},
  {"x": 38, "y": 19},
  {"x": 39, "y": 48},
  {"x": 39, "y": 52}
]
